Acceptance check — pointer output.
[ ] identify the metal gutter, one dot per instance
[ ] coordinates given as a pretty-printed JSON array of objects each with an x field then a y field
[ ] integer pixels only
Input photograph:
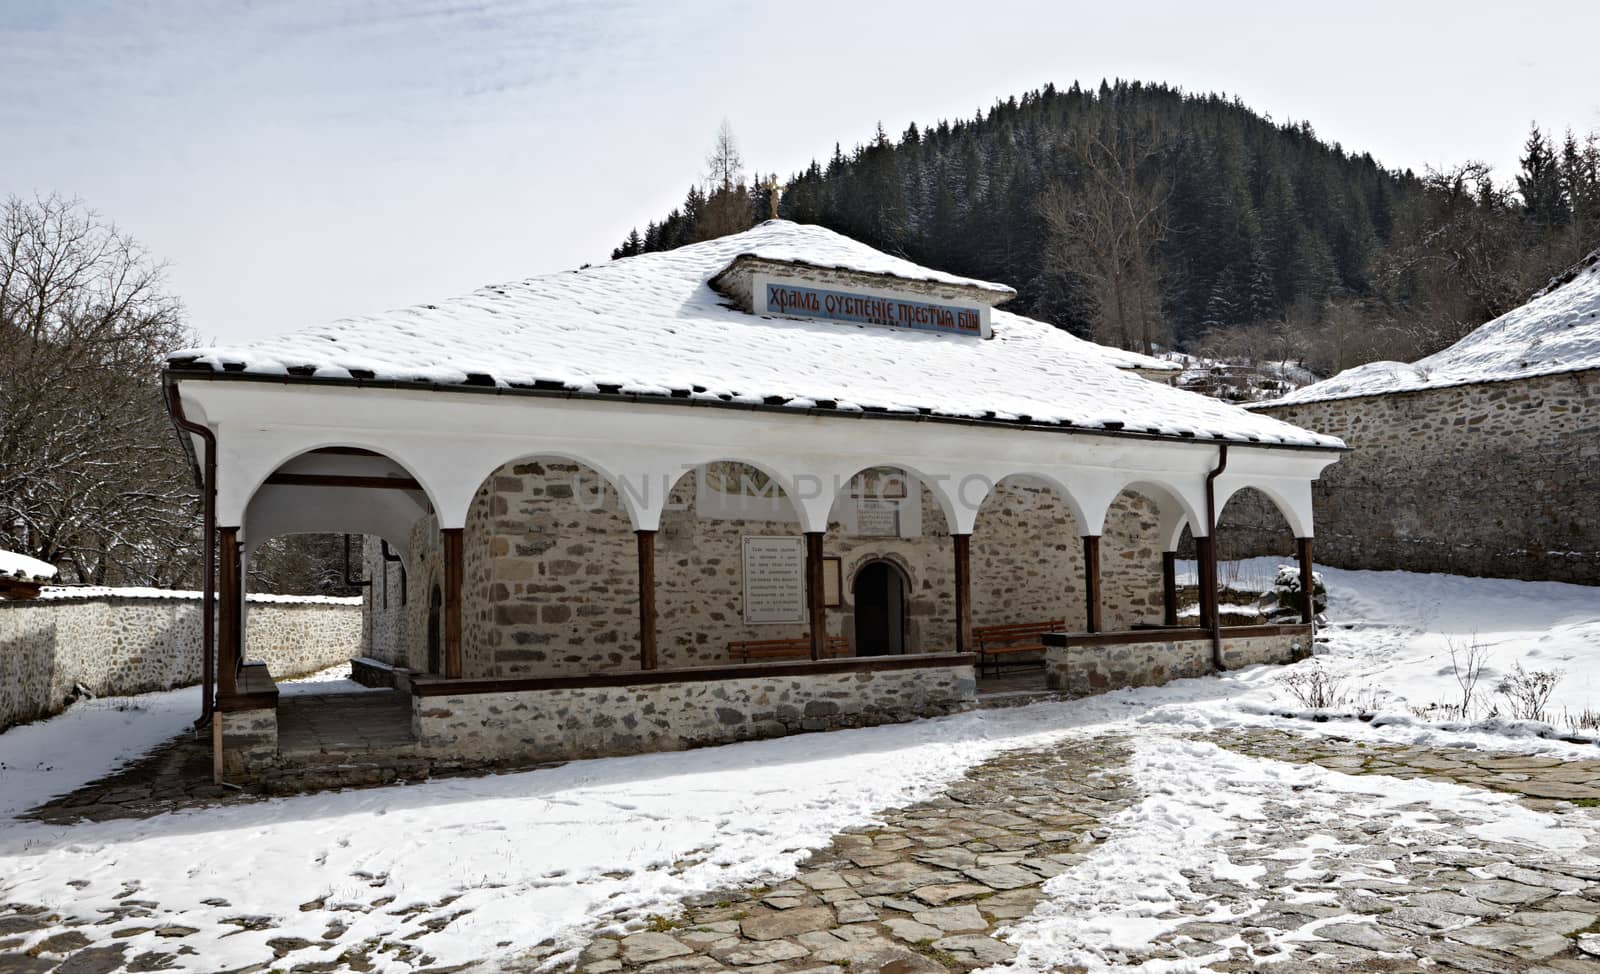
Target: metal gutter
[
  {"x": 1210, "y": 571},
  {"x": 208, "y": 489}
]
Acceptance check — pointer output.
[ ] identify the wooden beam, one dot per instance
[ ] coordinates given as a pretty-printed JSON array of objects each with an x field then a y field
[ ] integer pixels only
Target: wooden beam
[
  {"x": 1308, "y": 603},
  {"x": 1091, "y": 581},
  {"x": 231, "y": 634},
  {"x": 647, "y": 599},
  {"x": 962, "y": 546},
  {"x": 816, "y": 607},
  {"x": 341, "y": 480},
  {"x": 1206, "y": 550},
  {"x": 452, "y": 602},
  {"x": 1169, "y": 588}
]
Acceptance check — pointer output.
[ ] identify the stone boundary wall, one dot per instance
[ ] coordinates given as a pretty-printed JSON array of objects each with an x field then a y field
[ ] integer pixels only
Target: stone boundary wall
[
  {"x": 565, "y": 724},
  {"x": 1081, "y": 670},
  {"x": 1496, "y": 479},
  {"x": 119, "y": 645}
]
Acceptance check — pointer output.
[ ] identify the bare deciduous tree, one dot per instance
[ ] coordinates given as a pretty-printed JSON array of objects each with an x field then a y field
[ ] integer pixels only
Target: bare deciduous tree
[
  {"x": 91, "y": 477},
  {"x": 1106, "y": 231}
]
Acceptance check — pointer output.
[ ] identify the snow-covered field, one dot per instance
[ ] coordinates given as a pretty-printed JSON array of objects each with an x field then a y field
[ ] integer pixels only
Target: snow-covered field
[{"x": 559, "y": 853}]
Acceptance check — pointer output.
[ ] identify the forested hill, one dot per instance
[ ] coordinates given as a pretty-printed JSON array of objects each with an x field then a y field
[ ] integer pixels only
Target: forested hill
[{"x": 1143, "y": 216}]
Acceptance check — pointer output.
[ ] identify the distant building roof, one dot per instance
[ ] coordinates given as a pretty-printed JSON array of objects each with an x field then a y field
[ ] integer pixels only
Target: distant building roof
[
  {"x": 1557, "y": 331},
  {"x": 20, "y": 566}
]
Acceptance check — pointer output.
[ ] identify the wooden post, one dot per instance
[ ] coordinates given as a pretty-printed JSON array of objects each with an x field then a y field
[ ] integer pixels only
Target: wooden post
[
  {"x": 816, "y": 608},
  {"x": 647, "y": 599},
  {"x": 1091, "y": 581},
  {"x": 1206, "y": 550},
  {"x": 1308, "y": 605},
  {"x": 962, "y": 543},
  {"x": 452, "y": 602},
  {"x": 1169, "y": 588},
  {"x": 229, "y": 593}
]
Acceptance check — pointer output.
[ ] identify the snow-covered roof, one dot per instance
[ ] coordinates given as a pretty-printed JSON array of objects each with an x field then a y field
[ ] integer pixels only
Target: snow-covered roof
[
  {"x": 1557, "y": 331},
  {"x": 651, "y": 325},
  {"x": 16, "y": 565},
  {"x": 65, "y": 593}
]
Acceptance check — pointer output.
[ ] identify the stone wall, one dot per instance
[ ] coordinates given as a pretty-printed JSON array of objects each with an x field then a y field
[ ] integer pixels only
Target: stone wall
[
  {"x": 1089, "y": 665},
  {"x": 1495, "y": 479},
  {"x": 113, "y": 645},
  {"x": 551, "y": 571},
  {"x": 561, "y": 724},
  {"x": 249, "y": 740}
]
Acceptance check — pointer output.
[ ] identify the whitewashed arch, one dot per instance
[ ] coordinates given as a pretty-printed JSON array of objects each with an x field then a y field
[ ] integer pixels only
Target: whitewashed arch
[
  {"x": 819, "y": 504},
  {"x": 780, "y": 479},
  {"x": 1058, "y": 487},
  {"x": 269, "y": 512},
  {"x": 1292, "y": 498}
]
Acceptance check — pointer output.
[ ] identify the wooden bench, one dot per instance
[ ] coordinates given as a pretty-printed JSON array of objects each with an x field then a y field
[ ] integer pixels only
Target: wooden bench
[
  {"x": 755, "y": 650},
  {"x": 997, "y": 642}
]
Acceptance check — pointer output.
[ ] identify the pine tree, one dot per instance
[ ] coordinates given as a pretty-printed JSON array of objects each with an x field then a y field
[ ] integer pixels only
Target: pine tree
[{"x": 1543, "y": 197}]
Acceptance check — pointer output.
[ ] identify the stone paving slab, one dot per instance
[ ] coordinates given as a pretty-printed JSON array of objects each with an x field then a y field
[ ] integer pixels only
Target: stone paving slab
[{"x": 923, "y": 893}]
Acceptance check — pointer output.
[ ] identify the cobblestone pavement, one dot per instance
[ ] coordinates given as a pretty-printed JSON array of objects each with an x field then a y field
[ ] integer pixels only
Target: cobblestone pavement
[
  {"x": 1309, "y": 883},
  {"x": 924, "y": 892},
  {"x": 1305, "y": 889}
]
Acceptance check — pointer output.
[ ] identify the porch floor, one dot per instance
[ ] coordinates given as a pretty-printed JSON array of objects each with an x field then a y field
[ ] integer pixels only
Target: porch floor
[{"x": 343, "y": 722}]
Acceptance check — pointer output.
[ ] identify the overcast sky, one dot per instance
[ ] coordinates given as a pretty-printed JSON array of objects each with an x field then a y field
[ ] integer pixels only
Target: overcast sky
[{"x": 301, "y": 160}]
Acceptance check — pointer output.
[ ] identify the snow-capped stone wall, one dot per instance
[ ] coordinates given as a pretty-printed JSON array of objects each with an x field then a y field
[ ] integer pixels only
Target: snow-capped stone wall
[
  {"x": 1496, "y": 479},
  {"x": 551, "y": 575},
  {"x": 117, "y": 645},
  {"x": 1091, "y": 664}
]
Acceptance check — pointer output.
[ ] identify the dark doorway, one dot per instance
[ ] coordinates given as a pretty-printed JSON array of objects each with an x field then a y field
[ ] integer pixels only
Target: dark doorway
[
  {"x": 436, "y": 631},
  {"x": 880, "y": 599}
]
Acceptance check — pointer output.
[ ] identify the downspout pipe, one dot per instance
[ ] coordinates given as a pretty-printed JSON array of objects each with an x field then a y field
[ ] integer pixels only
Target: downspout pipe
[
  {"x": 1211, "y": 570},
  {"x": 208, "y": 570}
]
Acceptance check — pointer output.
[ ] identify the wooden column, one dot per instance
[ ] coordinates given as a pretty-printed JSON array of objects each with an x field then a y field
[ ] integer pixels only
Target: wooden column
[
  {"x": 452, "y": 602},
  {"x": 816, "y": 608},
  {"x": 1169, "y": 588},
  {"x": 1206, "y": 550},
  {"x": 647, "y": 599},
  {"x": 230, "y": 640},
  {"x": 962, "y": 544},
  {"x": 1091, "y": 581},
  {"x": 1308, "y": 606}
]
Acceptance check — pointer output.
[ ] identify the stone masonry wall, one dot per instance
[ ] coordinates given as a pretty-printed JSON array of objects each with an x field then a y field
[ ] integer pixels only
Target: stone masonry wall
[
  {"x": 115, "y": 646},
  {"x": 1084, "y": 670},
  {"x": 1087, "y": 669},
  {"x": 1495, "y": 479},
  {"x": 551, "y": 574},
  {"x": 563, "y": 724}
]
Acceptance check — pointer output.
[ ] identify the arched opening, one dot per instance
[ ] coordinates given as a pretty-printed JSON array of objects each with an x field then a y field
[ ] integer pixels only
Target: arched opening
[
  {"x": 880, "y": 597},
  {"x": 1257, "y": 574},
  {"x": 890, "y": 516}
]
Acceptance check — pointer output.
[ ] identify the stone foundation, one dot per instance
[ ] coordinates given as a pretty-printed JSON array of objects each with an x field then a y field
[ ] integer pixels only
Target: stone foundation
[
  {"x": 1092, "y": 663},
  {"x": 249, "y": 740},
  {"x": 564, "y": 723}
]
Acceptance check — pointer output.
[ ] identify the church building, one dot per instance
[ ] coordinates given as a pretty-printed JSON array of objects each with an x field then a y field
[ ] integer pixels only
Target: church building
[{"x": 774, "y": 482}]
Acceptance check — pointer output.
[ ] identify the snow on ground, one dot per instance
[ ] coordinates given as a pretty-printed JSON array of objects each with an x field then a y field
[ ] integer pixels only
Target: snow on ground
[
  {"x": 93, "y": 737},
  {"x": 561, "y": 852},
  {"x": 1131, "y": 888},
  {"x": 1391, "y": 633},
  {"x": 539, "y": 854}
]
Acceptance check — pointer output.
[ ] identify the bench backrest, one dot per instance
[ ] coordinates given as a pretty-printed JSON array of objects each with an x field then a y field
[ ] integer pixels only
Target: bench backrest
[
  {"x": 797, "y": 648},
  {"x": 1012, "y": 632}
]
